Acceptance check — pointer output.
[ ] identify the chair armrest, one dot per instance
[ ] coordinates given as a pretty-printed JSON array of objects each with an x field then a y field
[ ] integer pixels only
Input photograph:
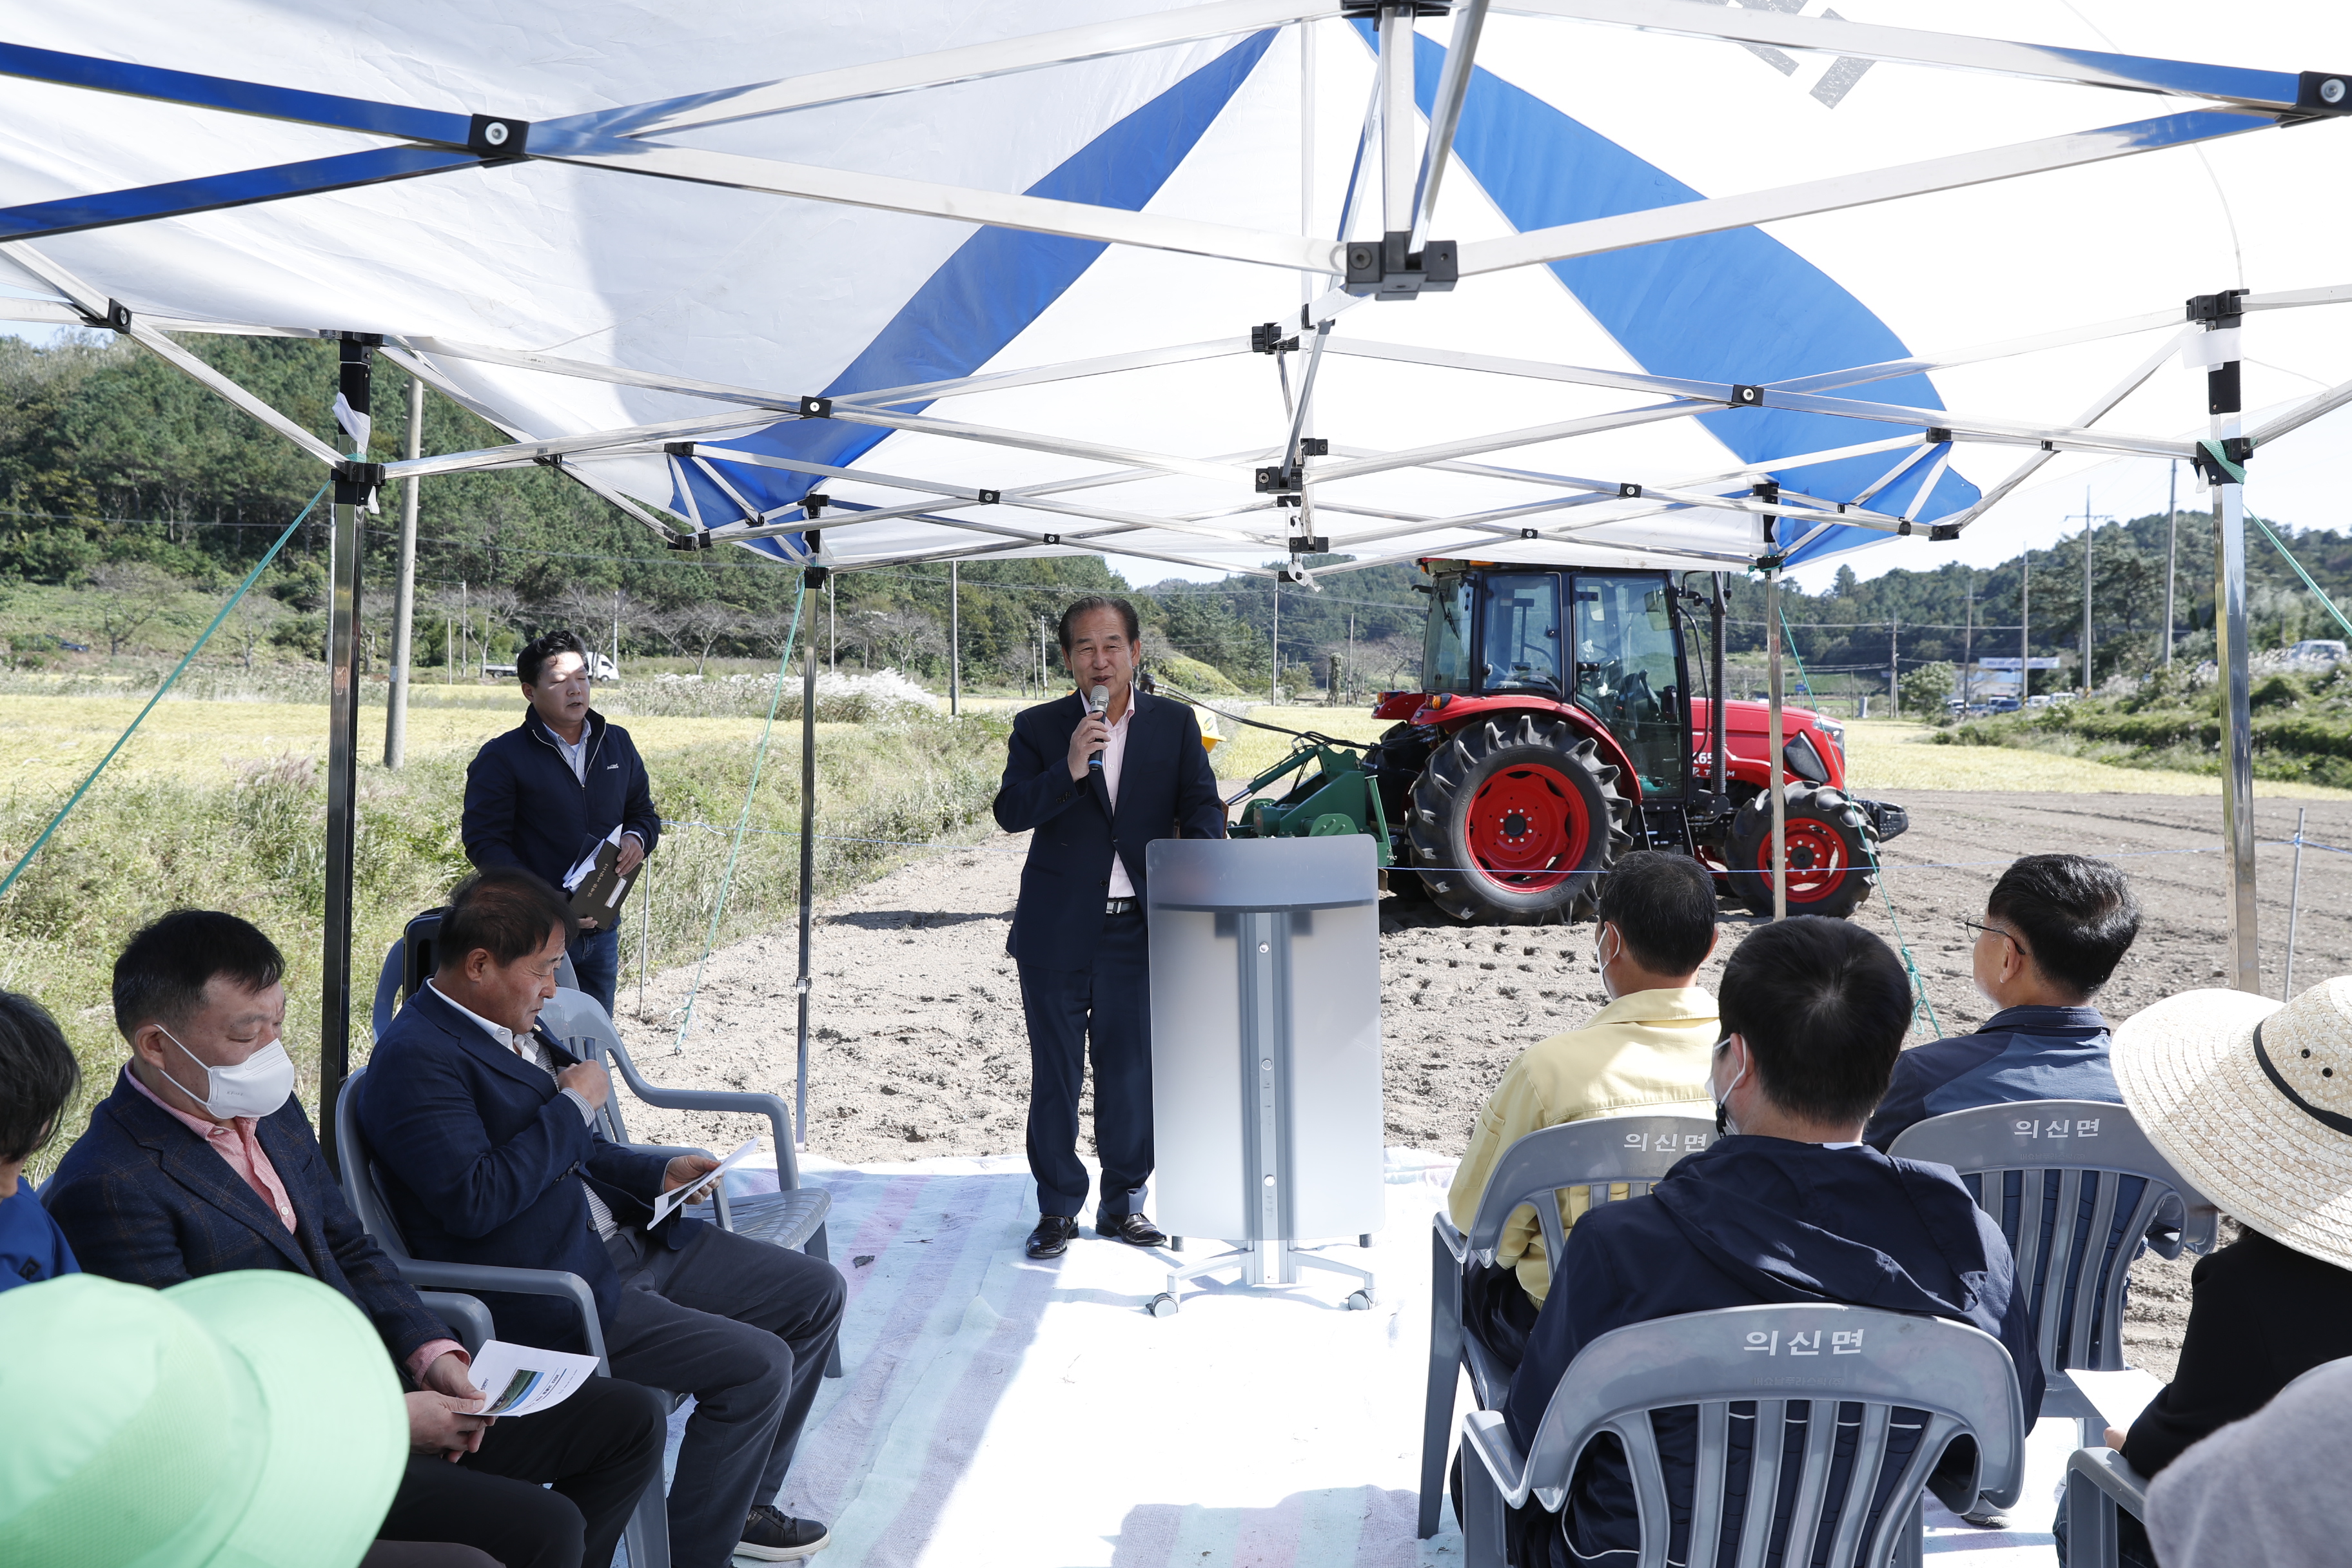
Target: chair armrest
[
  {"x": 741, "y": 1101},
  {"x": 466, "y": 1317},
  {"x": 1484, "y": 1433},
  {"x": 472, "y": 1277},
  {"x": 2112, "y": 1474},
  {"x": 1456, "y": 1242}
]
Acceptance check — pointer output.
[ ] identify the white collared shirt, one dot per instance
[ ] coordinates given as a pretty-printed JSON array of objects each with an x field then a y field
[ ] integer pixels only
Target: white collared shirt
[
  {"x": 1114, "y": 758},
  {"x": 533, "y": 1049},
  {"x": 575, "y": 753}
]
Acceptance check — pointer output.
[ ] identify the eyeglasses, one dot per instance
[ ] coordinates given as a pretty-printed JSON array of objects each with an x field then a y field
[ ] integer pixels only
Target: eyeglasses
[{"x": 1980, "y": 928}]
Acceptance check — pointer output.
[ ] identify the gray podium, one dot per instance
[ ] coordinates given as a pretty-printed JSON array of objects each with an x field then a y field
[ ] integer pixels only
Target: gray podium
[{"x": 1266, "y": 1052}]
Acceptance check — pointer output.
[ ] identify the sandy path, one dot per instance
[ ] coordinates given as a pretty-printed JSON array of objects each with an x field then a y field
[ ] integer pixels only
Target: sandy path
[{"x": 917, "y": 1045}]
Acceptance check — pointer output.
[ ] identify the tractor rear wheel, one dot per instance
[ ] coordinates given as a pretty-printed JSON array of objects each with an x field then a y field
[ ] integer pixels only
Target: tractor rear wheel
[
  {"x": 1833, "y": 865},
  {"x": 1516, "y": 822}
]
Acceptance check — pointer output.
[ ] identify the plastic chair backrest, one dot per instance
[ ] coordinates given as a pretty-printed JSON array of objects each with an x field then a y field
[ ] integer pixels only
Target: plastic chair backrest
[
  {"x": 2052, "y": 1145},
  {"x": 1597, "y": 1153},
  {"x": 572, "y": 1016},
  {"x": 361, "y": 1189},
  {"x": 1773, "y": 1355}
]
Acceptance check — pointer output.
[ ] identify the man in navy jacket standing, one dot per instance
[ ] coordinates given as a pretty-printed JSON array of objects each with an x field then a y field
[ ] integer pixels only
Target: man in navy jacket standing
[
  {"x": 546, "y": 793},
  {"x": 1094, "y": 788}
]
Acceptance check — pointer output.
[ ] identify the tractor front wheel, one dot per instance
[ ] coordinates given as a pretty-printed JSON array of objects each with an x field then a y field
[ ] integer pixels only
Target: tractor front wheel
[
  {"x": 1513, "y": 823},
  {"x": 1831, "y": 863}
]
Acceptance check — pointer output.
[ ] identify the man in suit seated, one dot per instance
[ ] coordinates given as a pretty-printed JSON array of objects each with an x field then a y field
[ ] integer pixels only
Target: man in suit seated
[
  {"x": 1789, "y": 1206},
  {"x": 482, "y": 1127},
  {"x": 202, "y": 1161}
]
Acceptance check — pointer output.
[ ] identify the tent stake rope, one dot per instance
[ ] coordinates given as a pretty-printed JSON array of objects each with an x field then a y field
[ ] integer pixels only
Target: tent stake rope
[
  {"x": 2316, "y": 591},
  {"x": 233, "y": 600},
  {"x": 742, "y": 821}
]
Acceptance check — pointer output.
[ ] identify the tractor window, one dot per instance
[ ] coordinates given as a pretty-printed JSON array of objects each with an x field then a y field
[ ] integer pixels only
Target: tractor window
[
  {"x": 1627, "y": 675},
  {"x": 1521, "y": 644},
  {"x": 1446, "y": 663}
]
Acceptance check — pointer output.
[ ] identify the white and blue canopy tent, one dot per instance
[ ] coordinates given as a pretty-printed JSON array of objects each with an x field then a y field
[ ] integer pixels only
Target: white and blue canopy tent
[{"x": 1229, "y": 285}]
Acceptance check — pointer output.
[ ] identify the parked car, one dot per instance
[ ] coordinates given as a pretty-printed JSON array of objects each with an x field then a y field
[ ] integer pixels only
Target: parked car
[
  {"x": 2000, "y": 704},
  {"x": 2318, "y": 650},
  {"x": 2040, "y": 701}
]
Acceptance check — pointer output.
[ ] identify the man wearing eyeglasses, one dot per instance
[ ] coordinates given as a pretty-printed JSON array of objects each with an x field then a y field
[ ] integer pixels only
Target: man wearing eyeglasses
[
  {"x": 2054, "y": 930},
  {"x": 546, "y": 793}
]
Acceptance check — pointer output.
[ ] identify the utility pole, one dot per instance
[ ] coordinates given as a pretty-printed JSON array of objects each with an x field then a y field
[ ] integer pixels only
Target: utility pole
[
  {"x": 465, "y": 623},
  {"x": 832, "y": 631},
  {"x": 1351, "y": 650},
  {"x": 2088, "y": 524},
  {"x": 2024, "y": 618},
  {"x": 2171, "y": 548},
  {"x": 955, "y": 639},
  {"x": 1968, "y": 650},
  {"x": 1274, "y": 681},
  {"x": 404, "y": 592},
  {"x": 616, "y": 634},
  {"x": 1894, "y": 663}
]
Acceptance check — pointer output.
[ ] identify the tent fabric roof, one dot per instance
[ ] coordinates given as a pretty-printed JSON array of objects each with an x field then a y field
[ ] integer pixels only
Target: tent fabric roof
[{"x": 1676, "y": 226}]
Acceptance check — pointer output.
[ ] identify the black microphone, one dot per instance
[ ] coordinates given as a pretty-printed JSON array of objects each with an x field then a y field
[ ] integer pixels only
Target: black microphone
[{"x": 1098, "y": 702}]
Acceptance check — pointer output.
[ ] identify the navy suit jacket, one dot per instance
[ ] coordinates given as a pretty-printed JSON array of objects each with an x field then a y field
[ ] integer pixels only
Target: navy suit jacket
[
  {"x": 524, "y": 807},
  {"x": 1166, "y": 790},
  {"x": 482, "y": 1158},
  {"x": 142, "y": 1199}
]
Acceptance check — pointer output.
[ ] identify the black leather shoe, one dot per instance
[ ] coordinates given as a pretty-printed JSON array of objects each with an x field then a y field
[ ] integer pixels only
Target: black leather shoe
[
  {"x": 1052, "y": 1236},
  {"x": 1131, "y": 1228}
]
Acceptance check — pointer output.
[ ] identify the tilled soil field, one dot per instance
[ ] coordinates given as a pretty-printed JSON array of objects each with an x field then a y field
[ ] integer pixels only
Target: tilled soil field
[{"x": 917, "y": 1046}]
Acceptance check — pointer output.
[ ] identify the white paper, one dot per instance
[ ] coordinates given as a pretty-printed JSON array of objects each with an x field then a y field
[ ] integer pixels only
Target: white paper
[
  {"x": 522, "y": 1380},
  {"x": 669, "y": 1202},
  {"x": 2203, "y": 351},
  {"x": 578, "y": 874},
  {"x": 2118, "y": 1396}
]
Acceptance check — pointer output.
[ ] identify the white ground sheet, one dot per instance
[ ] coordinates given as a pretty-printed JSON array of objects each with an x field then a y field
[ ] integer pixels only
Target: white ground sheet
[{"x": 997, "y": 1411}]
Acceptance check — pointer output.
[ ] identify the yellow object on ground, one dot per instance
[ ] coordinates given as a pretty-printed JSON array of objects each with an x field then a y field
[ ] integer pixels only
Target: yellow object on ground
[{"x": 1648, "y": 1052}]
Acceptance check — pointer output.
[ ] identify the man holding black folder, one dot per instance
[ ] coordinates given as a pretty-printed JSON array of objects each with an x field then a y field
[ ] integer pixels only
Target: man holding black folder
[{"x": 546, "y": 794}]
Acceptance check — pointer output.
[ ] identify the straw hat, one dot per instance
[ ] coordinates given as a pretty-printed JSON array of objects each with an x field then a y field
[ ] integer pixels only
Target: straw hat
[{"x": 2252, "y": 1101}]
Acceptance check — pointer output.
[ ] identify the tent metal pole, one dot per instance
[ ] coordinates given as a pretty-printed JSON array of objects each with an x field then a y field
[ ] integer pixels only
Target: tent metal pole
[
  {"x": 1720, "y": 782},
  {"x": 808, "y": 865},
  {"x": 955, "y": 638},
  {"x": 2222, "y": 312},
  {"x": 346, "y": 555},
  {"x": 403, "y": 593},
  {"x": 1774, "y": 741},
  {"x": 2172, "y": 552}
]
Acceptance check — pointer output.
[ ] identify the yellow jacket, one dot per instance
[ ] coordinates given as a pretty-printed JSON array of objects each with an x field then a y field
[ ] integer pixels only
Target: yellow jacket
[{"x": 1643, "y": 1053}]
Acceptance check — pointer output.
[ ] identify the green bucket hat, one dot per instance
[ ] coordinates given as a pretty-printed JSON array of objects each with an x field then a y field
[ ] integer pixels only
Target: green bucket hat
[{"x": 244, "y": 1420}]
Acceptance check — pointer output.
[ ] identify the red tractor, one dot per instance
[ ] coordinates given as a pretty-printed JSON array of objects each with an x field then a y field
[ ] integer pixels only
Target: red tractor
[{"x": 1556, "y": 729}]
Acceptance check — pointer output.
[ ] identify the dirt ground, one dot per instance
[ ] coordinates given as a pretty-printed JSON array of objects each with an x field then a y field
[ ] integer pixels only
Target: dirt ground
[{"x": 916, "y": 1047}]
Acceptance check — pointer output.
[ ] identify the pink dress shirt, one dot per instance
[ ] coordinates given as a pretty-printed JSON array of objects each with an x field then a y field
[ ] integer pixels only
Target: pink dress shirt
[
  {"x": 238, "y": 1144},
  {"x": 1114, "y": 758}
]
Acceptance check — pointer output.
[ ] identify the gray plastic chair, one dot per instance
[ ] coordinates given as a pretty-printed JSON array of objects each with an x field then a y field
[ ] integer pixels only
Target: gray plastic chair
[
  {"x": 404, "y": 968},
  {"x": 2099, "y": 1139},
  {"x": 1959, "y": 1374},
  {"x": 1603, "y": 1152},
  {"x": 647, "y": 1535},
  {"x": 2099, "y": 1483}
]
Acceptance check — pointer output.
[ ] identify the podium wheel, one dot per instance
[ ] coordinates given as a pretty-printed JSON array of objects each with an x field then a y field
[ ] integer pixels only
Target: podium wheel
[
  {"x": 1360, "y": 1301},
  {"x": 1163, "y": 1306}
]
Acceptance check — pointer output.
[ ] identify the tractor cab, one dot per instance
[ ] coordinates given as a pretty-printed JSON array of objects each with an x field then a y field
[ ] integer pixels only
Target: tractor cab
[{"x": 1604, "y": 642}]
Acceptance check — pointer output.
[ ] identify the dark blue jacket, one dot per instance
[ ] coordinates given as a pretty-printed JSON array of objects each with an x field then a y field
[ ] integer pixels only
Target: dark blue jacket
[
  {"x": 32, "y": 1247},
  {"x": 1166, "y": 790},
  {"x": 483, "y": 1158},
  {"x": 146, "y": 1201},
  {"x": 1753, "y": 1221},
  {"x": 524, "y": 807},
  {"x": 2018, "y": 1053}
]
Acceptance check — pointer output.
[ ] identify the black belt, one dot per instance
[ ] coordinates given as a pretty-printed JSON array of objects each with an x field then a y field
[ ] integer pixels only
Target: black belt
[{"x": 1120, "y": 906}]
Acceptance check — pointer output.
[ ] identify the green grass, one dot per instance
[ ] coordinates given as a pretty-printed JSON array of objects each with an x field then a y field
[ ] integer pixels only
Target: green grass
[
  {"x": 142, "y": 843},
  {"x": 2301, "y": 727}
]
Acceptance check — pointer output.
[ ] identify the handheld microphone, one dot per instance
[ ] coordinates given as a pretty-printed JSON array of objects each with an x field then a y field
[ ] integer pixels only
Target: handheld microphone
[{"x": 1098, "y": 702}]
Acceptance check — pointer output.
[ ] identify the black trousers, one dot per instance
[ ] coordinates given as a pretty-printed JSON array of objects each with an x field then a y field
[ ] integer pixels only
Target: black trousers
[
  {"x": 746, "y": 1327},
  {"x": 1111, "y": 1004},
  {"x": 599, "y": 1448}
]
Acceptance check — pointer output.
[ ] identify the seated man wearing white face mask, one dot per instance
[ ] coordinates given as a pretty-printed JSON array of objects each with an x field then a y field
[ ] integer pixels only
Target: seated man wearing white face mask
[
  {"x": 202, "y": 1161},
  {"x": 1645, "y": 1054}
]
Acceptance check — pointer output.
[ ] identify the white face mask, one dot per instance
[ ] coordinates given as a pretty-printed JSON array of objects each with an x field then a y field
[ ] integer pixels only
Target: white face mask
[
  {"x": 254, "y": 1087},
  {"x": 1723, "y": 1126}
]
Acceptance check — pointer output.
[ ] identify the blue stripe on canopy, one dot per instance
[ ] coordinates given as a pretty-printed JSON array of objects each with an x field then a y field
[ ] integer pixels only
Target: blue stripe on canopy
[
  {"x": 985, "y": 295},
  {"x": 1737, "y": 306}
]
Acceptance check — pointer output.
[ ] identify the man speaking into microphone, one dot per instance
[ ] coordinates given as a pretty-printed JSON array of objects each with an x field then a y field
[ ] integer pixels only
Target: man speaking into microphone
[{"x": 1097, "y": 777}]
